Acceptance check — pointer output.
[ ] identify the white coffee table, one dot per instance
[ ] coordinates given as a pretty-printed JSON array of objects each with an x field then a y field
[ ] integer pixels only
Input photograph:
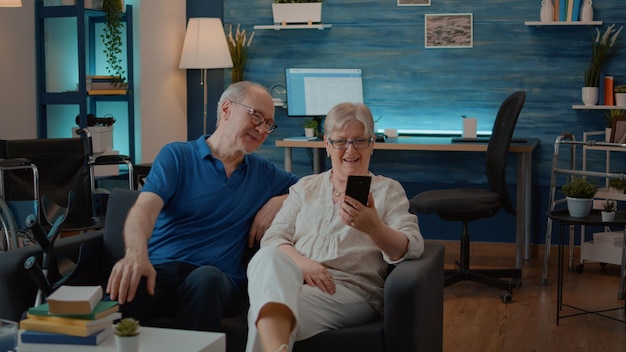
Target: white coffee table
[{"x": 155, "y": 340}]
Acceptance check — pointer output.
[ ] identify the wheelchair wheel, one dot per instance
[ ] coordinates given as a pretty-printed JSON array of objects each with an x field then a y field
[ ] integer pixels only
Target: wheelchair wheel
[{"x": 8, "y": 228}]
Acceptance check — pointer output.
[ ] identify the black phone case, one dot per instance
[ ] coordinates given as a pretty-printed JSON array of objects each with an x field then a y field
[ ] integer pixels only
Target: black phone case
[{"x": 358, "y": 187}]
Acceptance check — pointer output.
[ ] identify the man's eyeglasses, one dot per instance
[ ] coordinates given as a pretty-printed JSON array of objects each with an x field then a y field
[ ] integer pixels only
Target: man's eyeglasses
[
  {"x": 343, "y": 144},
  {"x": 257, "y": 118}
]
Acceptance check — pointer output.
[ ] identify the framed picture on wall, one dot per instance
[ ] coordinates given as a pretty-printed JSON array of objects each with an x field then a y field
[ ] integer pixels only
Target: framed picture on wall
[
  {"x": 413, "y": 2},
  {"x": 618, "y": 130},
  {"x": 449, "y": 30}
]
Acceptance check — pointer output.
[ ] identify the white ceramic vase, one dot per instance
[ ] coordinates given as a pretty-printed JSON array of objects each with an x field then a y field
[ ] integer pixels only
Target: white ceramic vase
[
  {"x": 590, "y": 95},
  {"x": 620, "y": 99},
  {"x": 127, "y": 343},
  {"x": 586, "y": 11},
  {"x": 579, "y": 207},
  {"x": 309, "y": 132},
  {"x": 547, "y": 11},
  {"x": 607, "y": 134}
]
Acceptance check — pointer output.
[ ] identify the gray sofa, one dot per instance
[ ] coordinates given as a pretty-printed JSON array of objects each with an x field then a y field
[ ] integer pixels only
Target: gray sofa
[{"x": 413, "y": 319}]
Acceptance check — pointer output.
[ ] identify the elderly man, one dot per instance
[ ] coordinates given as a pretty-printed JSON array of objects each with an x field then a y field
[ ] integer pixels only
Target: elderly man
[{"x": 202, "y": 203}]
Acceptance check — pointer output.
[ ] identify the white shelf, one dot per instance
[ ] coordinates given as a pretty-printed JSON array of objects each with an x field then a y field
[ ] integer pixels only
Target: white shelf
[
  {"x": 598, "y": 107},
  {"x": 563, "y": 23},
  {"x": 277, "y": 27}
]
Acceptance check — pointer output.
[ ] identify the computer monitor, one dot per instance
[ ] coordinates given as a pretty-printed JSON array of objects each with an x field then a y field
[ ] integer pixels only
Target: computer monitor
[{"x": 312, "y": 92}]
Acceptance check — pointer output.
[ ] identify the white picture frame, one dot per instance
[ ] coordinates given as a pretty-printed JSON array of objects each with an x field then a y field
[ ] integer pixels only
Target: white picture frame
[
  {"x": 449, "y": 30},
  {"x": 413, "y": 2}
]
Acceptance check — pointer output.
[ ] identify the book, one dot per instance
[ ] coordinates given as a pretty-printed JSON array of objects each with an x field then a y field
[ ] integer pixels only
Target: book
[
  {"x": 570, "y": 10},
  {"x": 76, "y": 328},
  {"x": 557, "y": 6},
  {"x": 39, "y": 337},
  {"x": 106, "y": 92},
  {"x": 576, "y": 13},
  {"x": 102, "y": 309},
  {"x": 562, "y": 10},
  {"x": 72, "y": 321},
  {"x": 74, "y": 299}
]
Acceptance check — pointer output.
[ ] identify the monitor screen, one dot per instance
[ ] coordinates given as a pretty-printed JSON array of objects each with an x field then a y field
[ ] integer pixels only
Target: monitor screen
[{"x": 311, "y": 92}]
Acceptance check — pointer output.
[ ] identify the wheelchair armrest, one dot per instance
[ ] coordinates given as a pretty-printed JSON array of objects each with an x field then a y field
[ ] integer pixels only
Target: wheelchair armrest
[
  {"x": 15, "y": 163},
  {"x": 111, "y": 159},
  {"x": 413, "y": 319}
]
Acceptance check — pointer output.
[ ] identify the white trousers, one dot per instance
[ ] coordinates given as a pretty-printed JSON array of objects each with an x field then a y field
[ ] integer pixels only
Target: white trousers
[{"x": 274, "y": 278}]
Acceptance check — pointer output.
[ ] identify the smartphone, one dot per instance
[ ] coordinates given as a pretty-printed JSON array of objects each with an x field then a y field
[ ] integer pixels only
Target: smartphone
[{"x": 358, "y": 187}]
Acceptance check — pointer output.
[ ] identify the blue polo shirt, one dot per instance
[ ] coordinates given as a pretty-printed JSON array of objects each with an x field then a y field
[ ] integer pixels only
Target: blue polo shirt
[{"x": 206, "y": 216}]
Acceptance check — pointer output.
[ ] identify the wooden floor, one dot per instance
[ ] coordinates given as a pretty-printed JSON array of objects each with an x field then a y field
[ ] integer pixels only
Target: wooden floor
[{"x": 475, "y": 319}]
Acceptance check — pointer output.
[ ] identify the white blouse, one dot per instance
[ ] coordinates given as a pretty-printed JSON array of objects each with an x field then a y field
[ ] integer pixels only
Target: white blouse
[{"x": 309, "y": 220}]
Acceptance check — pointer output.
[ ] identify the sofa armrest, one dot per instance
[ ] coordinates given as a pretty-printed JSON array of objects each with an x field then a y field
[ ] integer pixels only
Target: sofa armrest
[{"x": 414, "y": 303}]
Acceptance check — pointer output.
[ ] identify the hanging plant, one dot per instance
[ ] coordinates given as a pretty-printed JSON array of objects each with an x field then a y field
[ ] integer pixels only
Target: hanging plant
[{"x": 112, "y": 38}]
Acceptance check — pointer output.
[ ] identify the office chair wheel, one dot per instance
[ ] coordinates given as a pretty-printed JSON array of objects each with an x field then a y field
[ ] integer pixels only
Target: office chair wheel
[
  {"x": 506, "y": 297},
  {"x": 580, "y": 268}
]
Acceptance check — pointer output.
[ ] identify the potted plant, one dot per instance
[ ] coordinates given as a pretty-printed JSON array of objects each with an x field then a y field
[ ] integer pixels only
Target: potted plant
[
  {"x": 620, "y": 94},
  {"x": 127, "y": 335},
  {"x": 310, "y": 128},
  {"x": 603, "y": 49},
  {"x": 112, "y": 38},
  {"x": 579, "y": 193},
  {"x": 238, "y": 47},
  {"x": 610, "y": 117},
  {"x": 297, "y": 11},
  {"x": 617, "y": 185},
  {"x": 609, "y": 207}
]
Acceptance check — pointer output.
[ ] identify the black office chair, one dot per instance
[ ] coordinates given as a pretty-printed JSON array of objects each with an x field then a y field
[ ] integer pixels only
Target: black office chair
[{"x": 466, "y": 205}]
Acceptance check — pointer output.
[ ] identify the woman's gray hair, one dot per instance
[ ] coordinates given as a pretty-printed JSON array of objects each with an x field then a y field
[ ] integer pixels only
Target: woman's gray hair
[
  {"x": 342, "y": 113},
  {"x": 236, "y": 92}
]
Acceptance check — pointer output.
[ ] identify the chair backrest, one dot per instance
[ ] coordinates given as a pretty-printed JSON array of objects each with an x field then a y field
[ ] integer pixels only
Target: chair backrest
[
  {"x": 62, "y": 165},
  {"x": 499, "y": 143}
]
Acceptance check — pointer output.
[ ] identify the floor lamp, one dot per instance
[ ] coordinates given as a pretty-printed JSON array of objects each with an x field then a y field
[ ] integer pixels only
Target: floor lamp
[{"x": 205, "y": 47}]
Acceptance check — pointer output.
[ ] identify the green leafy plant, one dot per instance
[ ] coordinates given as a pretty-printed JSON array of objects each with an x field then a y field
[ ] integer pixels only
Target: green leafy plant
[
  {"x": 579, "y": 187},
  {"x": 127, "y": 327},
  {"x": 310, "y": 124},
  {"x": 620, "y": 88},
  {"x": 618, "y": 183},
  {"x": 612, "y": 114},
  {"x": 609, "y": 205},
  {"x": 112, "y": 38},
  {"x": 603, "y": 48}
]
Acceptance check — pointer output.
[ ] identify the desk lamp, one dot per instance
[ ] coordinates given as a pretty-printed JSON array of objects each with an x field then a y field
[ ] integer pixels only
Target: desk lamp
[{"x": 205, "y": 47}]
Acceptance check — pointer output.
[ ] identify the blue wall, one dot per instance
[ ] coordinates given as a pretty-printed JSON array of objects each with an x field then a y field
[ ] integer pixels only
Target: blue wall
[{"x": 418, "y": 88}]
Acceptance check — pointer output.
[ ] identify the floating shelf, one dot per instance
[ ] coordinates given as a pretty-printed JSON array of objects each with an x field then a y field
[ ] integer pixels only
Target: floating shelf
[
  {"x": 563, "y": 23},
  {"x": 278, "y": 27},
  {"x": 598, "y": 107}
]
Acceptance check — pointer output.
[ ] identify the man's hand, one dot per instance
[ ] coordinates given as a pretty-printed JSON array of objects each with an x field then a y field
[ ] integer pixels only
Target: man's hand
[
  {"x": 263, "y": 219},
  {"x": 125, "y": 276}
]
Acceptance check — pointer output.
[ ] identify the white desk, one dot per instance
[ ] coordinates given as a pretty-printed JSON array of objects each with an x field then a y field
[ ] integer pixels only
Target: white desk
[
  {"x": 154, "y": 340},
  {"x": 444, "y": 144}
]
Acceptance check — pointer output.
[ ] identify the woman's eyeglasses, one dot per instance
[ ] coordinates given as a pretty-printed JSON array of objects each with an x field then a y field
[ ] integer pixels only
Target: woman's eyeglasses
[
  {"x": 257, "y": 118},
  {"x": 343, "y": 144}
]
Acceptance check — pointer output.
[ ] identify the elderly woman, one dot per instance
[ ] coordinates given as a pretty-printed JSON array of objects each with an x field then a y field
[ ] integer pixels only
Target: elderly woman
[{"x": 324, "y": 260}]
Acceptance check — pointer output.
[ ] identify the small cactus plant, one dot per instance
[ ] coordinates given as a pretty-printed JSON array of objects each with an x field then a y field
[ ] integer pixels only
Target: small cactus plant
[
  {"x": 609, "y": 205},
  {"x": 127, "y": 327}
]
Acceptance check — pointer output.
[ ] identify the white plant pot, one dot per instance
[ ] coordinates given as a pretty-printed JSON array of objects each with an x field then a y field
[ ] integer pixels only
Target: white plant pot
[
  {"x": 620, "y": 99},
  {"x": 127, "y": 343},
  {"x": 590, "y": 95},
  {"x": 297, "y": 13},
  {"x": 309, "y": 132},
  {"x": 607, "y": 216},
  {"x": 579, "y": 207},
  {"x": 607, "y": 134}
]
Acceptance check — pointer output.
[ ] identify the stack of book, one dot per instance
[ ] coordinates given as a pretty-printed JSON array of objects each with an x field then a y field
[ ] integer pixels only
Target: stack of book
[
  {"x": 105, "y": 85},
  {"x": 73, "y": 315}
]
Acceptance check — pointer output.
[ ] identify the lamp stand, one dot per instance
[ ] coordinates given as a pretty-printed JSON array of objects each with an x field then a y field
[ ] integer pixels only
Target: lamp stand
[{"x": 204, "y": 108}]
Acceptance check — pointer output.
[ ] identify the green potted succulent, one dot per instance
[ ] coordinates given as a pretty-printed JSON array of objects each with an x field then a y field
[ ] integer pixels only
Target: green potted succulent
[
  {"x": 579, "y": 193},
  {"x": 609, "y": 207},
  {"x": 310, "y": 128},
  {"x": 112, "y": 38},
  {"x": 127, "y": 335},
  {"x": 297, "y": 11}
]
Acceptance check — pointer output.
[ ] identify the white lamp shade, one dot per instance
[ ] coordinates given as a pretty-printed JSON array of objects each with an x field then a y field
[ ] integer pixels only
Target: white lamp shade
[
  {"x": 10, "y": 3},
  {"x": 205, "y": 45}
]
